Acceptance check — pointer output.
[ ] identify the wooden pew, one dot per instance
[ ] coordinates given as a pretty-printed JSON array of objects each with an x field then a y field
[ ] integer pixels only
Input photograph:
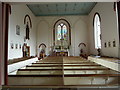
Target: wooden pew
[
  {"x": 35, "y": 79},
  {"x": 86, "y": 62},
  {"x": 65, "y": 71},
  {"x": 44, "y": 67},
  {"x": 73, "y": 79},
  {"x": 65, "y": 67},
  {"x": 39, "y": 71},
  {"x": 91, "y": 79}
]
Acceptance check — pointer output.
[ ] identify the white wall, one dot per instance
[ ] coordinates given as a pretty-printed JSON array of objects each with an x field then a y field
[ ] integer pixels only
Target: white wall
[
  {"x": 17, "y": 18},
  {"x": 79, "y": 31},
  {"x": 15, "y": 66},
  {"x": 108, "y": 29}
]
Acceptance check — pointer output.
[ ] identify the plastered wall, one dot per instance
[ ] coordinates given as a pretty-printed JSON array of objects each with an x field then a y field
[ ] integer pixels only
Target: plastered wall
[
  {"x": 79, "y": 32},
  {"x": 18, "y": 13},
  {"x": 109, "y": 31}
]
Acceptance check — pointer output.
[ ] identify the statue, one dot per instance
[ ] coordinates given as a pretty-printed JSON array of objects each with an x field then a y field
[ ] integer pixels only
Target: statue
[
  {"x": 99, "y": 51},
  {"x": 42, "y": 46},
  {"x": 82, "y": 54},
  {"x": 24, "y": 49},
  {"x": 27, "y": 31}
]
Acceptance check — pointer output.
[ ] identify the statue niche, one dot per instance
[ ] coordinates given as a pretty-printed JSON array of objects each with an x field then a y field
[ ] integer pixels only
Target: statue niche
[
  {"x": 82, "y": 50},
  {"x": 28, "y": 23},
  {"x": 42, "y": 49}
]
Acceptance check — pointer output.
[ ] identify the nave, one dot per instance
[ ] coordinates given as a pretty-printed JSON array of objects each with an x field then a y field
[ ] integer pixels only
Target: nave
[{"x": 63, "y": 72}]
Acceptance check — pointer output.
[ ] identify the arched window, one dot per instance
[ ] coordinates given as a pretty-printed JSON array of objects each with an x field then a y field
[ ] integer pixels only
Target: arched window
[
  {"x": 62, "y": 36},
  {"x": 97, "y": 31},
  {"x": 62, "y": 32}
]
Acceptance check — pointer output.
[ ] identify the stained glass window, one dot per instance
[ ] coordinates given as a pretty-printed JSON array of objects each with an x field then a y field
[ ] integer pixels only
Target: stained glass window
[
  {"x": 61, "y": 32},
  {"x": 64, "y": 33}
]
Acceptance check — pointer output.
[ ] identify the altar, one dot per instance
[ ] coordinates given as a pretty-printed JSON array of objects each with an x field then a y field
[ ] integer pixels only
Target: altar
[
  {"x": 61, "y": 50},
  {"x": 61, "y": 53},
  {"x": 62, "y": 46}
]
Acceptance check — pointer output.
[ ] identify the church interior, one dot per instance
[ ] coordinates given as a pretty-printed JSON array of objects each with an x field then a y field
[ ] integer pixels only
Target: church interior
[{"x": 60, "y": 45}]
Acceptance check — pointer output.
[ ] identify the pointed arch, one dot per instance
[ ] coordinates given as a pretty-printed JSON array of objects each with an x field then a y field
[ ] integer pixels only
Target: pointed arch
[
  {"x": 42, "y": 44},
  {"x": 69, "y": 29},
  {"x": 29, "y": 20},
  {"x": 97, "y": 30}
]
